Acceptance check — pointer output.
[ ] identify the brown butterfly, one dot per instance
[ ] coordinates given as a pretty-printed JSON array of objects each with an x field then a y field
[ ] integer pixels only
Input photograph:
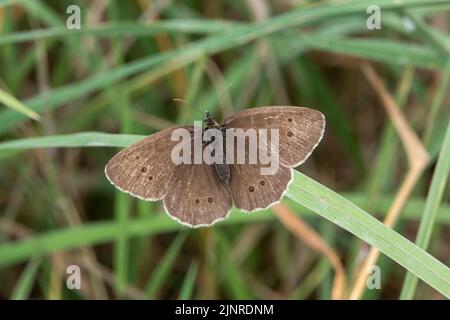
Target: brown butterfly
[{"x": 203, "y": 194}]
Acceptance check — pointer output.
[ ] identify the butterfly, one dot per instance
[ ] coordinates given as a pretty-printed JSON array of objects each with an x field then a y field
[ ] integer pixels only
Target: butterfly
[{"x": 203, "y": 194}]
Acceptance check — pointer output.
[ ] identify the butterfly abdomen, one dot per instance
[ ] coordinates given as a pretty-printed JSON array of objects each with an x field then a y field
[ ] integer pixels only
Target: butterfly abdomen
[{"x": 223, "y": 172}]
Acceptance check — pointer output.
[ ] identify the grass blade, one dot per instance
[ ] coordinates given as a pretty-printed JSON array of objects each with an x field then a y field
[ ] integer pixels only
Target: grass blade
[
  {"x": 188, "y": 284},
  {"x": 84, "y": 139},
  {"x": 437, "y": 103},
  {"x": 426, "y": 33},
  {"x": 231, "y": 275},
  {"x": 387, "y": 51},
  {"x": 162, "y": 271},
  {"x": 335, "y": 208},
  {"x": 434, "y": 198},
  {"x": 11, "y": 102},
  {"x": 25, "y": 283},
  {"x": 118, "y": 29}
]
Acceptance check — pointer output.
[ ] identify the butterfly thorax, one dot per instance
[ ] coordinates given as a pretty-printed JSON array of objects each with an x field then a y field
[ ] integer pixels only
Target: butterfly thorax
[
  {"x": 221, "y": 170},
  {"x": 209, "y": 122}
]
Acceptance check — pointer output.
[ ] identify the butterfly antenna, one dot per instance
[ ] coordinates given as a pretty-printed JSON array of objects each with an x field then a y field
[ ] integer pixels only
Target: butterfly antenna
[{"x": 181, "y": 100}]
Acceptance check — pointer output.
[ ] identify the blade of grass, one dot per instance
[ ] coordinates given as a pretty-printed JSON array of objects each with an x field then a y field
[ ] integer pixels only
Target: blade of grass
[
  {"x": 382, "y": 175},
  {"x": 417, "y": 158},
  {"x": 121, "y": 207},
  {"x": 120, "y": 29},
  {"x": 328, "y": 232},
  {"x": 39, "y": 9},
  {"x": 437, "y": 102},
  {"x": 426, "y": 34},
  {"x": 84, "y": 139},
  {"x": 312, "y": 280},
  {"x": 8, "y": 54},
  {"x": 387, "y": 51},
  {"x": 122, "y": 203},
  {"x": 335, "y": 208},
  {"x": 164, "y": 267},
  {"x": 434, "y": 198},
  {"x": 231, "y": 275},
  {"x": 189, "y": 281},
  {"x": 382, "y": 170},
  {"x": 11, "y": 102},
  {"x": 25, "y": 283}
]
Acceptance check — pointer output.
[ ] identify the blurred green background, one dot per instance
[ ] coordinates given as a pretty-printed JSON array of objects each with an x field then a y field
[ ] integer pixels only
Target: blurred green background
[{"x": 121, "y": 71}]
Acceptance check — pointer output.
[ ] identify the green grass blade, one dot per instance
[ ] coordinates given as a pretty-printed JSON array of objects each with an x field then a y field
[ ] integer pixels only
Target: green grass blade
[
  {"x": 434, "y": 198},
  {"x": 25, "y": 283},
  {"x": 84, "y": 139},
  {"x": 187, "y": 287},
  {"x": 121, "y": 249},
  {"x": 122, "y": 203},
  {"x": 119, "y": 29},
  {"x": 231, "y": 275},
  {"x": 437, "y": 103},
  {"x": 340, "y": 211},
  {"x": 314, "y": 278},
  {"x": 11, "y": 102},
  {"x": 42, "y": 11},
  {"x": 387, "y": 51},
  {"x": 164, "y": 267},
  {"x": 426, "y": 33}
]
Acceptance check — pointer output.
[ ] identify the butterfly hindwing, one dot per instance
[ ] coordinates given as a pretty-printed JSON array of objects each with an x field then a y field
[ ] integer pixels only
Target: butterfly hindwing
[
  {"x": 196, "y": 196},
  {"x": 252, "y": 191}
]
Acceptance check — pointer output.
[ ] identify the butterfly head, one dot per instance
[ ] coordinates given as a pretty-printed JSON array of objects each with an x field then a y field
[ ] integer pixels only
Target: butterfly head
[{"x": 209, "y": 121}]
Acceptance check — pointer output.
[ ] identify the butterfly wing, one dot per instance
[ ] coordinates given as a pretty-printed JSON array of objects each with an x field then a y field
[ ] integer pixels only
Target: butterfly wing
[
  {"x": 300, "y": 129},
  {"x": 193, "y": 193},
  {"x": 196, "y": 197},
  {"x": 251, "y": 190},
  {"x": 145, "y": 168}
]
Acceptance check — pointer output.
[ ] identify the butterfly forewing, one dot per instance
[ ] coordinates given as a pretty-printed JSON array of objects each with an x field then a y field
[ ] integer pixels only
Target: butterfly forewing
[
  {"x": 300, "y": 129},
  {"x": 299, "y": 132},
  {"x": 196, "y": 196},
  {"x": 145, "y": 168}
]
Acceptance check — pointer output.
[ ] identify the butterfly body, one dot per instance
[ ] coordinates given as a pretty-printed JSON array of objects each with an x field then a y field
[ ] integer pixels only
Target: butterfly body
[
  {"x": 202, "y": 194},
  {"x": 222, "y": 170}
]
